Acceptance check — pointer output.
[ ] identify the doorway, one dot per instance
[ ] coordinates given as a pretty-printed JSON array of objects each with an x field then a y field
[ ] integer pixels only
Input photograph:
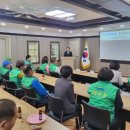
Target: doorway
[{"x": 5, "y": 49}]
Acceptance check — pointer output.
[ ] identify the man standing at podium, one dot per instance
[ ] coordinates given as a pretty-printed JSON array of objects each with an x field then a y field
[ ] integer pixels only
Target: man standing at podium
[{"x": 68, "y": 53}]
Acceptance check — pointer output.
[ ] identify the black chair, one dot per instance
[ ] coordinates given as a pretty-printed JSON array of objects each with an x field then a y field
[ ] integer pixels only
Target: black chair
[
  {"x": 39, "y": 71},
  {"x": 56, "y": 111},
  {"x": 31, "y": 98},
  {"x": 54, "y": 74},
  {"x": 118, "y": 86},
  {"x": 95, "y": 118},
  {"x": 5, "y": 77},
  {"x": 128, "y": 88},
  {"x": 11, "y": 87}
]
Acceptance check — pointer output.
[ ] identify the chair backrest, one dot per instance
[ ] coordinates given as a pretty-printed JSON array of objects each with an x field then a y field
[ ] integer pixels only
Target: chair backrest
[
  {"x": 5, "y": 77},
  {"x": 98, "y": 118},
  {"x": 128, "y": 88},
  {"x": 54, "y": 74},
  {"x": 117, "y": 85},
  {"x": 9, "y": 84},
  {"x": 39, "y": 71},
  {"x": 29, "y": 93},
  {"x": 55, "y": 105}
]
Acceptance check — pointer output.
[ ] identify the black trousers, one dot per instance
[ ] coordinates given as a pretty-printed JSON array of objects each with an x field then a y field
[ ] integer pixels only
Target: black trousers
[{"x": 79, "y": 112}]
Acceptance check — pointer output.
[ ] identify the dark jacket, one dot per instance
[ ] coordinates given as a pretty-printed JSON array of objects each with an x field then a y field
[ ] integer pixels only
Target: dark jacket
[
  {"x": 64, "y": 90},
  {"x": 67, "y": 54}
]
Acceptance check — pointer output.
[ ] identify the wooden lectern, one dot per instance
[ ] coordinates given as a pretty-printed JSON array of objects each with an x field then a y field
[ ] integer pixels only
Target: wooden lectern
[{"x": 68, "y": 61}]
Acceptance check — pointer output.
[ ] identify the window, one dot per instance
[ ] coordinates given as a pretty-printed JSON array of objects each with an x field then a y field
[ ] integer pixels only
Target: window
[
  {"x": 34, "y": 51},
  {"x": 55, "y": 50}
]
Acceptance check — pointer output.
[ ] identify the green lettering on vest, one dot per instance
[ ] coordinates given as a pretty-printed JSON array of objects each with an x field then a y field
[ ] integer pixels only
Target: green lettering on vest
[
  {"x": 102, "y": 95},
  {"x": 13, "y": 76},
  {"x": 43, "y": 68}
]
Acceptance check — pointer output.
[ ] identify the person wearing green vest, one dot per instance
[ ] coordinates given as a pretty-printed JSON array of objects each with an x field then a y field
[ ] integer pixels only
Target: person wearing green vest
[
  {"x": 10, "y": 60},
  {"x": 106, "y": 96},
  {"x": 53, "y": 66},
  {"x": 30, "y": 82},
  {"x": 28, "y": 62},
  {"x": 44, "y": 66},
  {"x": 5, "y": 68},
  {"x": 16, "y": 74},
  {"x": 129, "y": 80}
]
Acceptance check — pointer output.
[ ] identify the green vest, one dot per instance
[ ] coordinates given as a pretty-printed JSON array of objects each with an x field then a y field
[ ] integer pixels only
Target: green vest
[
  {"x": 13, "y": 76},
  {"x": 3, "y": 71},
  {"x": 27, "y": 81},
  {"x": 43, "y": 67},
  {"x": 129, "y": 80},
  {"x": 102, "y": 95},
  {"x": 27, "y": 62},
  {"x": 52, "y": 67}
]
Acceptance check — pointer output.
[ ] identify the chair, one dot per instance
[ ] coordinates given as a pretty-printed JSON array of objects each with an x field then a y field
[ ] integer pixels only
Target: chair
[
  {"x": 54, "y": 74},
  {"x": 56, "y": 111},
  {"x": 5, "y": 77},
  {"x": 118, "y": 86},
  {"x": 31, "y": 98},
  {"x": 95, "y": 118},
  {"x": 11, "y": 87},
  {"x": 128, "y": 88},
  {"x": 39, "y": 71}
]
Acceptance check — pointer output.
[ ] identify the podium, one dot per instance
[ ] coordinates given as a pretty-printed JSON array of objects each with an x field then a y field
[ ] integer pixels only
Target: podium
[{"x": 68, "y": 61}]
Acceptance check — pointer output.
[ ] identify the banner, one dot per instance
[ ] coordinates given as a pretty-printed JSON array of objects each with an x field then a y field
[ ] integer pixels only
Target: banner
[{"x": 85, "y": 61}]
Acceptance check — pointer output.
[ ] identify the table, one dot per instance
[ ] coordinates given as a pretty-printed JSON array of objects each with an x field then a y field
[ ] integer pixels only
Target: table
[
  {"x": 92, "y": 75},
  {"x": 79, "y": 89},
  {"x": 21, "y": 124}
]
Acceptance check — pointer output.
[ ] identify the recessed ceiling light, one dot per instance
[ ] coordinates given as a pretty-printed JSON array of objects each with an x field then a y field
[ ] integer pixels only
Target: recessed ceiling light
[
  {"x": 60, "y": 30},
  {"x": 54, "y": 12},
  {"x": 43, "y": 28},
  {"x": 84, "y": 30},
  {"x": 101, "y": 28},
  {"x": 65, "y": 15},
  {"x": 26, "y": 26},
  {"x": 71, "y": 31},
  {"x": 60, "y": 13},
  {"x": 122, "y": 26},
  {"x": 3, "y": 24},
  {"x": 7, "y": 8}
]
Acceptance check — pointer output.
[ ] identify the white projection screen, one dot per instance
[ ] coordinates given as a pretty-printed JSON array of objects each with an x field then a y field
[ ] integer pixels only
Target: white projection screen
[{"x": 115, "y": 45}]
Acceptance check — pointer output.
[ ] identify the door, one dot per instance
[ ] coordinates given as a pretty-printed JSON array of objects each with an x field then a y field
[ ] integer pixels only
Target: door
[{"x": 4, "y": 48}]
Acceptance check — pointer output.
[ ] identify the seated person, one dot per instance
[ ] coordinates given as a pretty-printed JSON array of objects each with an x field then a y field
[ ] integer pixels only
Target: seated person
[
  {"x": 30, "y": 82},
  {"x": 5, "y": 68},
  {"x": 16, "y": 74},
  {"x": 44, "y": 66},
  {"x": 10, "y": 60},
  {"x": 129, "y": 80},
  {"x": 53, "y": 66},
  {"x": 115, "y": 66},
  {"x": 28, "y": 62},
  {"x": 8, "y": 114},
  {"x": 64, "y": 89},
  {"x": 105, "y": 95}
]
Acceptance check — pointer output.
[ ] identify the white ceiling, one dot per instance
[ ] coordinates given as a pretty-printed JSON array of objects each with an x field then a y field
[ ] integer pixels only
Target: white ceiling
[
  {"x": 115, "y": 5},
  {"x": 127, "y": 1},
  {"x": 44, "y": 5}
]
